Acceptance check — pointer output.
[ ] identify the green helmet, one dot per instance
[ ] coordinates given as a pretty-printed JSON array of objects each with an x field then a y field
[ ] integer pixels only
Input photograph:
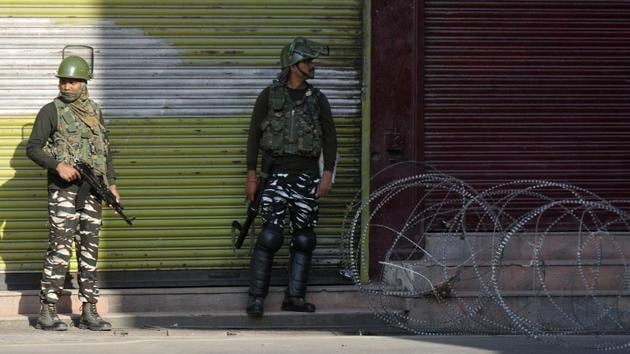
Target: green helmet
[
  {"x": 74, "y": 67},
  {"x": 300, "y": 49}
]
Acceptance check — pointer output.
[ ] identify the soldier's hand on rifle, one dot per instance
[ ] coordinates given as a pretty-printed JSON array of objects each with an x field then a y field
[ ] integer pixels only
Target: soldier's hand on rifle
[
  {"x": 67, "y": 172},
  {"x": 114, "y": 191},
  {"x": 251, "y": 184},
  {"x": 325, "y": 184}
]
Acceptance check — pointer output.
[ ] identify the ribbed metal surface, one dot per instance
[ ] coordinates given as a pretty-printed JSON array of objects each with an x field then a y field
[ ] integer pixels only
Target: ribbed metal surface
[
  {"x": 177, "y": 81},
  {"x": 529, "y": 89}
]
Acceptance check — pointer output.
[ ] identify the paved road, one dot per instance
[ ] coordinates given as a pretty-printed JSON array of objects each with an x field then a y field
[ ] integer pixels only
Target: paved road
[{"x": 157, "y": 341}]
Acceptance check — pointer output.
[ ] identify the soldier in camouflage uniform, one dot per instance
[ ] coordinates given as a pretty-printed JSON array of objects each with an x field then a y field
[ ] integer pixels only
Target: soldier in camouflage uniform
[
  {"x": 70, "y": 128},
  {"x": 292, "y": 124}
]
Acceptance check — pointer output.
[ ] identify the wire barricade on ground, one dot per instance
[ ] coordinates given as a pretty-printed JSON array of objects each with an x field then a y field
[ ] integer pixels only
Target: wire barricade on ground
[{"x": 531, "y": 257}]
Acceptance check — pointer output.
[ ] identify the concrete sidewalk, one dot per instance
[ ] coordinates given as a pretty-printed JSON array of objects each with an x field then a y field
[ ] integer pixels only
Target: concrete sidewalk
[
  {"x": 161, "y": 340},
  {"x": 338, "y": 307},
  {"x": 212, "y": 320}
]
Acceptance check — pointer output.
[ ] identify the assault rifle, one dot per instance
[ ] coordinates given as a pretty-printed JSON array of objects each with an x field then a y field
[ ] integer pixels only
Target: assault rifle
[
  {"x": 252, "y": 208},
  {"x": 92, "y": 183}
]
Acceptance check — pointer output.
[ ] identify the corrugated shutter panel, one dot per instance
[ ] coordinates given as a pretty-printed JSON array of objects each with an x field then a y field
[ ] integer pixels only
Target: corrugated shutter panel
[
  {"x": 177, "y": 81},
  {"x": 529, "y": 89}
]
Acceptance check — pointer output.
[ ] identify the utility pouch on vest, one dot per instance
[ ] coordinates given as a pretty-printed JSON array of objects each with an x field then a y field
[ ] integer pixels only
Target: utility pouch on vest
[
  {"x": 272, "y": 136},
  {"x": 305, "y": 140}
]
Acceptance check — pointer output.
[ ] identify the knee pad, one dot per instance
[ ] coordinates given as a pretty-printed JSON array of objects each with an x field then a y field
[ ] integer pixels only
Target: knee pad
[
  {"x": 304, "y": 240},
  {"x": 271, "y": 238}
]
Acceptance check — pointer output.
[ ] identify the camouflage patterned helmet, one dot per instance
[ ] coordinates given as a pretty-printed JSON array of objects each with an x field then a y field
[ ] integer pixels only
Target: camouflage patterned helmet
[
  {"x": 74, "y": 67},
  {"x": 300, "y": 49}
]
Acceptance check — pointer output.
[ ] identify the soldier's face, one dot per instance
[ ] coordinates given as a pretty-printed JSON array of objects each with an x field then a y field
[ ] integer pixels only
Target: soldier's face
[{"x": 69, "y": 84}]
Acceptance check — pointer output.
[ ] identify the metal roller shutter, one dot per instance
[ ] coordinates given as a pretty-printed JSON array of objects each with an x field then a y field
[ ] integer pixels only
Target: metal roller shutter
[
  {"x": 177, "y": 80},
  {"x": 529, "y": 89}
]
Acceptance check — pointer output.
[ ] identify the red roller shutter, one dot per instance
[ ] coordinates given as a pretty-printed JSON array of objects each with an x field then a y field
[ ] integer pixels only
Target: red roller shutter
[{"x": 529, "y": 89}]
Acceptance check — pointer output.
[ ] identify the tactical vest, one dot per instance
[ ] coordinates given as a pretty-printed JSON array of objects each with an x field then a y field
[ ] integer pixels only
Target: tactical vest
[
  {"x": 75, "y": 139},
  {"x": 292, "y": 127}
]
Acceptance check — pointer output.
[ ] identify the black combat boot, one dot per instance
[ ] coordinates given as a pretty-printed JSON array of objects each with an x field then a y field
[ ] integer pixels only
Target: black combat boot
[
  {"x": 297, "y": 304},
  {"x": 90, "y": 319},
  {"x": 255, "y": 306},
  {"x": 48, "y": 319}
]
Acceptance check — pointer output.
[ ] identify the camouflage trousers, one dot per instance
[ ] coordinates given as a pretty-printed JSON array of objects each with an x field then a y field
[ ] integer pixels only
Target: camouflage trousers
[
  {"x": 67, "y": 225},
  {"x": 292, "y": 192}
]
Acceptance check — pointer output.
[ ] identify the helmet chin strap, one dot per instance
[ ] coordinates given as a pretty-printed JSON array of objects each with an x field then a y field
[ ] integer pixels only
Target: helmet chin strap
[{"x": 308, "y": 76}]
